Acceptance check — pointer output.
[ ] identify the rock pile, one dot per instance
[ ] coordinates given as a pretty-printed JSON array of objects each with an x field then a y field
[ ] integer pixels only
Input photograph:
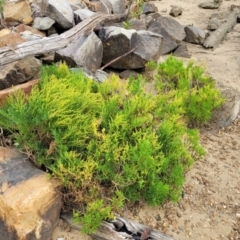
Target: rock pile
[{"x": 45, "y": 31}]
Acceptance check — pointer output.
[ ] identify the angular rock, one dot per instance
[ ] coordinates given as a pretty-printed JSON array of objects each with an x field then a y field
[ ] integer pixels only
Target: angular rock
[
  {"x": 209, "y": 5},
  {"x": 118, "y": 6},
  {"x": 86, "y": 52},
  {"x": 30, "y": 204},
  {"x": 175, "y": 11},
  {"x": 148, "y": 44},
  {"x": 11, "y": 39},
  {"x": 22, "y": 27},
  {"x": 172, "y": 32},
  {"x": 17, "y": 12},
  {"x": 194, "y": 35},
  {"x": 61, "y": 12},
  {"x": 43, "y": 23},
  {"x": 81, "y": 14},
  {"x": 149, "y": 8},
  {"x": 19, "y": 72},
  {"x": 182, "y": 51}
]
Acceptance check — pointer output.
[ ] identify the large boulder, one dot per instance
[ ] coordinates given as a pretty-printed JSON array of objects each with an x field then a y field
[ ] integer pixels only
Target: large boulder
[
  {"x": 30, "y": 204},
  {"x": 86, "y": 52},
  {"x": 172, "y": 32},
  {"x": 19, "y": 72},
  {"x": 61, "y": 12},
  {"x": 118, "y": 41}
]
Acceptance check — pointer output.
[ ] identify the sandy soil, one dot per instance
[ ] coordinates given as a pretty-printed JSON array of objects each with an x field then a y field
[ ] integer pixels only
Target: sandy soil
[{"x": 210, "y": 208}]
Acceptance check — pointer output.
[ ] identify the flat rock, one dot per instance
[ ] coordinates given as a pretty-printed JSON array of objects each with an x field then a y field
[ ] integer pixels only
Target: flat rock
[
  {"x": 19, "y": 72},
  {"x": 209, "y": 5},
  {"x": 86, "y": 52},
  {"x": 17, "y": 12},
  {"x": 172, "y": 32},
  {"x": 30, "y": 204},
  {"x": 61, "y": 12},
  {"x": 194, "y": 35}
]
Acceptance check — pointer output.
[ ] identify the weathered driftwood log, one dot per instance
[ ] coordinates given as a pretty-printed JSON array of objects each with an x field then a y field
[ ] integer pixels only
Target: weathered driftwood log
[
  {"x": 217, "y": 36},
  {"x": 44, "y": 45},
  {"x": 114, "y": 230}
]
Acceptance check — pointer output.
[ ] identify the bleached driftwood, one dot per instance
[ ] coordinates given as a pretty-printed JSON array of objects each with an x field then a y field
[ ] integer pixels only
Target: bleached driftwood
[
  {"x": 218, "y": 35},
  {"x": 114, "y": 230},
  {"x": 50, "y": 44}
]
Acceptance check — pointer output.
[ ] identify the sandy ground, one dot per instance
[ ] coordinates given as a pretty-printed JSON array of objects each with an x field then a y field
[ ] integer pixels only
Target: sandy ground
[{"x": 211, "y": 201}]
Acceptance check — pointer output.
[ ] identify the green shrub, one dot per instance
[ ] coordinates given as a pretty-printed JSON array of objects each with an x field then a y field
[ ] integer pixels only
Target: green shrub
[
  {"x": 1, "y": 7},
  {"x": 108, "y": 143},
  {"x": 189, "y": 87}
]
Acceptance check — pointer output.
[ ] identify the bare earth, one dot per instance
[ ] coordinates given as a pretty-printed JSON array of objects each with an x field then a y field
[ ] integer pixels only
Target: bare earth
[{"x": 210, "y": 209}]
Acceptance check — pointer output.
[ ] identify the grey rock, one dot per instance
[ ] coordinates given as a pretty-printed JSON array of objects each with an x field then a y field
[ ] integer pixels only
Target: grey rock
[
  {"x": 149, "y": 8},
  {"x": 213, "y": 24},
  {"x": 149, "y": 47},
  {"x": 182, "y": 51},
  {"x": 43, "y": 23},
  {"x": 52, "y": 31},
  {"x": 230, "y": 110},
  {"x": 86, "y": 52},
  {"x": 81, "y": 14},
  {"x": 194, "y": 35},
  {"x": 164, "y": 10},
  {"x": 128, "y": 73},
  {"x": 19, "y": 72},
  {"x": 30, "y": 204},
  {"x": 172, "y": 32},
  {"x": 118, "y": 6},
  {"x": 100, "y": 76},
  {"x": 61, "y": 12},
  {"x": 175, "y": 11},
  {"x": 138, "y": 24},
  {"x": 209, "y": 5}
]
